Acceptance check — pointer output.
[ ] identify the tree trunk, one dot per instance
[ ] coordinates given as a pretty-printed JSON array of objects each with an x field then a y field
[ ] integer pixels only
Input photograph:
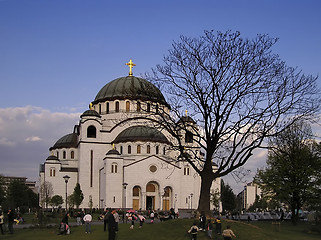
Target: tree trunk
[{"x": 204, "y": 200}]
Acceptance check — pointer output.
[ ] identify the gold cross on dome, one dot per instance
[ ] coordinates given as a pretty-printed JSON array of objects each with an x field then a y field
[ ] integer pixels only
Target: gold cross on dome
[{"x": 131, "y": 65}]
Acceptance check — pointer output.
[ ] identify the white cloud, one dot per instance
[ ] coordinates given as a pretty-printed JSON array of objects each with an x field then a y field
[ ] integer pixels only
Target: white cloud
[
  {"x": 27, "y": 133},
  {"x": 33, "y": 139}
]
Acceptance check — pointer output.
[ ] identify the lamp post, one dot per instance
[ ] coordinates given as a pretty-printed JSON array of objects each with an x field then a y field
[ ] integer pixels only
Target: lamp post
[
  {"x": 124, "y": 202},
  {"x": 66, "y": 177},
  {"x": 192, "y": 200}
]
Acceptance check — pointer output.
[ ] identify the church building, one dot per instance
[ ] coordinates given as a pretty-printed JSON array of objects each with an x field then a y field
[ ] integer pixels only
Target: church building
[{"x": 120, "y": 159}]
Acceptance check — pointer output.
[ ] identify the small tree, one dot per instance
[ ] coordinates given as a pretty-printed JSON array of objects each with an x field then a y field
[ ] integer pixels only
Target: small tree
[
  {"x": 78, "y": 196},
  {"x": 45, "y": 193},
  {"x": 293, "y": 172},
  {"x": 228, "y": 197},
  {"x": 56, "y": 201}
]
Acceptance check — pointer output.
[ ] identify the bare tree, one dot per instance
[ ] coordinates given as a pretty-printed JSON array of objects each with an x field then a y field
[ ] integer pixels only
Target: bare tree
[
  {"x": 238, "y": 93},
  {"x": 46, "y": 191}
]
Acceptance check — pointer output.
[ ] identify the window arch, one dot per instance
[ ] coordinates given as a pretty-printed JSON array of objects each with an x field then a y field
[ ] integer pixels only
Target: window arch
[
  {"x": 72, "y": 154},
  {"x": 107, "y": 107},
  {"x": 129, "y": 149},
  {"x": 138, "y": 106},
  {"x": 136, "y": 191},
  {"x": 157, "y": 149},
  {"x": 117, "y": 106},
  {"x": 186, "y": 170},
  {"x": 127, "y": 106},
  {"x": 52, "y": 172},
  {"x": 148, "y": 148},
  {"x": 139, "y": 149},
  {"x": 150, "y": 187},
  {"x": 114, "y": 168},
  {"x": 91, "y": 132},
  {"x": 188, "y": 137}
]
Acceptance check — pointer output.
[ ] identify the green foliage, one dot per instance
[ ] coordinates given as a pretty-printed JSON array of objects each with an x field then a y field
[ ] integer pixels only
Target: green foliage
[
  {"x": 78, "y": 196},
  {"x": 56, "y": 201},
  {"x": 293, "y": 170},
  {"x": 228, "y": 197}
]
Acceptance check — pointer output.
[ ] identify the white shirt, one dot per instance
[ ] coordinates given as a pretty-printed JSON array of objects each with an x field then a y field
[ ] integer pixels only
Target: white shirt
[{"x": 88, "y": 218}]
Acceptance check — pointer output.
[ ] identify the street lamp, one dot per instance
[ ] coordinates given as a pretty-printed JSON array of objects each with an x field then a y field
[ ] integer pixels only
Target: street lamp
[
  {"x": 66, "y": 177},
  {"x": 124, "y": 201},
  {"x": 192, "y": 200}
]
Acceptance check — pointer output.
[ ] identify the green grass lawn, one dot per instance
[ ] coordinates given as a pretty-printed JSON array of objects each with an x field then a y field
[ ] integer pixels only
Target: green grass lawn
[{"x": 174, "y": 229}]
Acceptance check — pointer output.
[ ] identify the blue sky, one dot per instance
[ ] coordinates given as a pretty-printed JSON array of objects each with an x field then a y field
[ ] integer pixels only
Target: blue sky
[{"x": 56, "y": 55}]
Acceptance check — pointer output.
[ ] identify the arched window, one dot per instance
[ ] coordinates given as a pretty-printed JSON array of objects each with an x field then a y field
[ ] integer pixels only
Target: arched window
[
  {"x": 138, "y": 149},
  {"x": 150, "y": 187},
  {"x": 164, "y": 151},
  {"x": 157, "y": 149},
  {"x": 129, "y": 149},
  {"x": 116, "y": 106},
  {"x": 107, "y": 107},
  {"x": 148, "y": 107},
  {"x": 121, "y": 149},
  {"x": 156, "y": 107},
  {"x": 136, "y": 191},
  {"x": 99, "y": 108},
  {"x": 138, "y": 106},
  {"x": 64, "y": 155},
  {"x": 72, "y": 154},
  {"x": 52, "y": 172},
  {"x": 186, "y": 170},
  {"x": 114, "y": 168},
  {"x": 57, "y": 154},
  {"x": 91, "y": 132},
  {"x": 127, "y": 106},
  {"x": 148, "y": 148},
  {"x": 188, "y": 137}
]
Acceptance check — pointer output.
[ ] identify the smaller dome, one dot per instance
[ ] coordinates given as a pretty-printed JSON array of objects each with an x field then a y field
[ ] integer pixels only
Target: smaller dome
[
  {"x": 113, "y": 152},
  {"x": 67, "y": 141},
  {"x": 90, "y": 113},
  {"x": 186, "y": 119},
  {"x": 52, "y": 158},
  {"x": 141, "y": 133}
]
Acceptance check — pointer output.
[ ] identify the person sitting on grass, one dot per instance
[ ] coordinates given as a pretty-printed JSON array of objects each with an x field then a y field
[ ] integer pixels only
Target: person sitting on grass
[
  {"x": 193, "y": 230},
  {"x": 228, "y": 233}
]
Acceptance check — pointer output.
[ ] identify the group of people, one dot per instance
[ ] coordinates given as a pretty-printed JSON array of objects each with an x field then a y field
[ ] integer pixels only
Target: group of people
[
  {"x": 208, "y": 227},
  {"x": 11, "y": 219}
]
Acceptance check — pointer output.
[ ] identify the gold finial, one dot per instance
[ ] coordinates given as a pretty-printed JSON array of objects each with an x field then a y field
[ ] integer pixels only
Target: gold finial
[
  {"x": 186, "y": 113},
  {"x": 131, "y": 65},
  {"x": 91, "y": 106},
  {"x": 113, "y": 146}
]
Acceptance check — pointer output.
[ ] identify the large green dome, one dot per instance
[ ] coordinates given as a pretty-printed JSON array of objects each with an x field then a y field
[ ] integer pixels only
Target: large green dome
[{"x": 132, "y": 88}]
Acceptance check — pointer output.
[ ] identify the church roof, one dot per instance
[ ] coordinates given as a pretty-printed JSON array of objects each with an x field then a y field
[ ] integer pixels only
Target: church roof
[
  {"x": 113, "y": 152},
  {"x": 132, "y": 88},
  {"x": 141, "y": 133},
  {"x": 67, "y": 141},
  {"x": 91, "y": 113}
]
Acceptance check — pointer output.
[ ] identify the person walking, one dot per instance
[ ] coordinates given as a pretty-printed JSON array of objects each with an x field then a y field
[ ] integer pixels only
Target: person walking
[
  {"x": 218, "y": 224},
  {"x": 87, "y": 219},
  {"x": 193, "y": 230},
  {"x": 107, "y": 212},
  {"x": 228, "y": 233},
  {"x": 141, "y": 220},
  {"x": 1, "y": 222},
  {"x": 209, "y": 228},
  {"x": 111, "y": 227},
  {"x": 10, "y": 221},
  {"x": 116, "y": 217}
]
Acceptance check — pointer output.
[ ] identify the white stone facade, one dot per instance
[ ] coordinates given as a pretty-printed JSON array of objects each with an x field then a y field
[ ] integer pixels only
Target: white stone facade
[{"x": 138, "y": 173}]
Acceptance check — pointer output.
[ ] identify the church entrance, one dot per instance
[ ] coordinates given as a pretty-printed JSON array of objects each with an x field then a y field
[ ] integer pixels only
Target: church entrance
[{"x": 150, "y": 203}]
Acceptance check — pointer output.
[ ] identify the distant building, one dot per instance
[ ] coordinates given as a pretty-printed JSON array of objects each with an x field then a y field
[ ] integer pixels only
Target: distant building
[
  {"x": 248, "y": 195},
  {"x": 6, "y": 180}
]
